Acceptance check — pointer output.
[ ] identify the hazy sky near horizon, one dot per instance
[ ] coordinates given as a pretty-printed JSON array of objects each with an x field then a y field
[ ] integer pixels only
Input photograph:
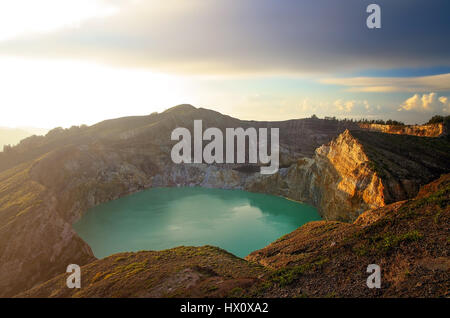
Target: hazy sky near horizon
[{"x": 69, "y": 62}]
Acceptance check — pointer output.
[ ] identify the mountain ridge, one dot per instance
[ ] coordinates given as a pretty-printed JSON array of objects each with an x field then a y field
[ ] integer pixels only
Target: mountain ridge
[{"x": 51, "y": 181}]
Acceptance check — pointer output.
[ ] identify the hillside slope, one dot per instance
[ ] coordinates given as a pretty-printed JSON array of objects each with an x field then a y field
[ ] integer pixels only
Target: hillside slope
[
  {"x": 409, "y": 240},
  {"x": 12, "y": 136},
  {"x": 53, "y": 180},
  {"x": 182, "y": 271}
]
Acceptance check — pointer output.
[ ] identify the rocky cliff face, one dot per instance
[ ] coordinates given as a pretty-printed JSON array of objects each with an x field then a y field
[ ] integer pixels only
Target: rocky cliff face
[
  {"x": 344, "y": 183},
  {"x": 360, "y": 170},
  {"x": 432, "y": 130},
  {"x": 338, "y": 180}
]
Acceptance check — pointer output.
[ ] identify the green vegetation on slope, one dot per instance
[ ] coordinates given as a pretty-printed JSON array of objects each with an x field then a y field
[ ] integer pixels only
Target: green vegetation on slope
[
  {"x": 409, "y": 237},
  {"x": 182, "y": 271},
  {"x": 405, "y": 162}
]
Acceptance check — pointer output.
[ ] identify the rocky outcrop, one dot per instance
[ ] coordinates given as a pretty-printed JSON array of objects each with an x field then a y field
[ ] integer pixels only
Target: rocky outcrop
[
  {"x": 344, "y": 183},
  {"x": 338, "y": 180},
  {"x": 431, "y": 130}
]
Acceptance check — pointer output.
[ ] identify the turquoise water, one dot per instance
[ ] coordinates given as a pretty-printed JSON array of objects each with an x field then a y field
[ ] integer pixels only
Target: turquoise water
[{"x": 162, "y": 218}]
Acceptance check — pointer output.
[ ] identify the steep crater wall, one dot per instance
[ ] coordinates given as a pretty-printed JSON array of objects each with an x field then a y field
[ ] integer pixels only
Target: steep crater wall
[
  {"x": 430, "y": 130},
  {"x": 354, "y": 172}
]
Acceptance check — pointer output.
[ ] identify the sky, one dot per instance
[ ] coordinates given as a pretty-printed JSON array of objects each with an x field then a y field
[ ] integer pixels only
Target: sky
[{"x": 72, "y": 62}]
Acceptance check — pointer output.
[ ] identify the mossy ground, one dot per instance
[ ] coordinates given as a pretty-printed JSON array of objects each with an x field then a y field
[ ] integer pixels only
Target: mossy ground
[{"x": 181, "y": 271}]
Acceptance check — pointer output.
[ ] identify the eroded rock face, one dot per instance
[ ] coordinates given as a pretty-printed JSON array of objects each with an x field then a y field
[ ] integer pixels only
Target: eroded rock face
[
  {"x": 347, "y": 184},
  {"x": 431, "y": 130},
  {"x": 358, "y": 171},
  {"x": 337, "y": 180}
]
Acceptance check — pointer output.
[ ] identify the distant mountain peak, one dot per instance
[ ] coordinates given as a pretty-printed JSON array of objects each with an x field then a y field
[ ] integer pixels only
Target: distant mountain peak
[{"x": 181, "y": 108}]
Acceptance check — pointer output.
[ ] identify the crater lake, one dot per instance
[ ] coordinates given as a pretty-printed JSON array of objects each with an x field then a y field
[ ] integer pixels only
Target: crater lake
[{"x": 161, "y": 218}]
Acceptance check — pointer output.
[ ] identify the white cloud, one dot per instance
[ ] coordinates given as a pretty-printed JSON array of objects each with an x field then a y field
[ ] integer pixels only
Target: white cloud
[
  {"x": 359, "y": 106},
  {"x": 427, "y": 103},
  {"x": 393, "y": 84},
  {"x": 444, "y": 100},
  {"x": 341, "y": 108},
  {"x": 345, "y": 106},
  {"x": 22, "y": 17},
  {"x": 306, "y": 105}
]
